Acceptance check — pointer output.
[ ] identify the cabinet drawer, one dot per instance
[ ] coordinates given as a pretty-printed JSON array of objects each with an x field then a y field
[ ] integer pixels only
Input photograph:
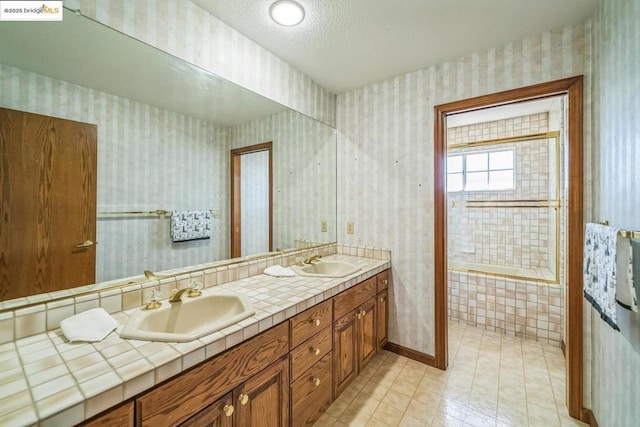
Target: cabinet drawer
[
  {"x": 310, "y": 322},
  {"x": 383, "y": 280},
  {"x": 310, "y": 351},
  {"x": 354, "y": 297},
  {"x": 309, "y": 400}
]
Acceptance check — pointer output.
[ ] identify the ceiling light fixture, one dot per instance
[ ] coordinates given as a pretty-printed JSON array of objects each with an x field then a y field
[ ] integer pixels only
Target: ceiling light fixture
[{"x": 287, "y": 12}]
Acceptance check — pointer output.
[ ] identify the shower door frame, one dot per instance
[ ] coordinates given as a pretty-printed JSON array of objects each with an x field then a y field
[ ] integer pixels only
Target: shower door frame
[{"x": 573, "y": 88}]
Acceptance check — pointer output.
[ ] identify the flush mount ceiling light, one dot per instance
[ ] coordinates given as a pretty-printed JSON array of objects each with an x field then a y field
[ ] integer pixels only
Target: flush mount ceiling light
[{"x": 287, "y": 12}]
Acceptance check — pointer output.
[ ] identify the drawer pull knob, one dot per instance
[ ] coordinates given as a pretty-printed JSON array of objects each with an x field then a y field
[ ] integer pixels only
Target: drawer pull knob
[
  {"x": 315, "y": 350},
  {"x": 385, "y": 281},
  {"x": 243, "y": 399},
  {"x": 381, "y": 299},
  {"x": 316, "y": 322},
  {"x": 316, "y": 381},
  {"x": 363, "y": 312},
  {"x": 359, "y": 315},
  {"x": 228, "y": 410}
]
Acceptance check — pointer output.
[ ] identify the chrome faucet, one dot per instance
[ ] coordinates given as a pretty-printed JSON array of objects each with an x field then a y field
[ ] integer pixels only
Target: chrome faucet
[{"x": 312, "y": 258}]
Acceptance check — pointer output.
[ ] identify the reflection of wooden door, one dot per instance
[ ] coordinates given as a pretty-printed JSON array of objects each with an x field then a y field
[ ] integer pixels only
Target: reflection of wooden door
[
  {"x": 48, "y": 204},
  {"x": 237, "y": 207}
]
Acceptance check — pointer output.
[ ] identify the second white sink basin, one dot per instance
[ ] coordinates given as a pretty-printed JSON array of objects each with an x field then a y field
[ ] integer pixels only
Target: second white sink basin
[
  {"x": 190, "y": 319},
  {"x": 327, "y": 269}
]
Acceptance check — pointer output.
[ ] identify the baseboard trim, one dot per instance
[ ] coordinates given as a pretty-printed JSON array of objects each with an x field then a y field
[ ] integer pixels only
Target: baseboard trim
[
  {"x": 410, "y": 353},
  {"x": 589, "y": 417},
  {"x": 563, "y": 347}
]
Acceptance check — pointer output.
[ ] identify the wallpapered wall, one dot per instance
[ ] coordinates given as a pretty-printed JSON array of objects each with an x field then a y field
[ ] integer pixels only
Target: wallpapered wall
[
  {"x": 615, "y": 358},
  {"x": 148, "y": 159},
  {"x": 185, "y": 30},
  {"x": 385, "y": 158},
  {"x": 304, "y": 174}
]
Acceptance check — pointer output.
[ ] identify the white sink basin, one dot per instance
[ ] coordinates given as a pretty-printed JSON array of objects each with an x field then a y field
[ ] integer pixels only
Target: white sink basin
[
  {"x": 190, "y": 319},
  {"x": 327, "y": 269}
]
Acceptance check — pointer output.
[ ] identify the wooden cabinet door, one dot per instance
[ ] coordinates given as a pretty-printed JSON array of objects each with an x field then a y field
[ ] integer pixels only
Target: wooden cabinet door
[
  {"x": 263, "y": 400},
  {"x": 344, "y": 352},
  {"x": 367, "y": 341},
  {"x": 218, "y": 414},
  {"x": 382, "y": 318},
  {"x": 122, "y": 416},
  {"x": 48, "y": 208}
]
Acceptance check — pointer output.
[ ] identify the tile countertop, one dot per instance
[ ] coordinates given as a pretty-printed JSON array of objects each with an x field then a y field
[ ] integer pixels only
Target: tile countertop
[{"x": 46, "y": 380}]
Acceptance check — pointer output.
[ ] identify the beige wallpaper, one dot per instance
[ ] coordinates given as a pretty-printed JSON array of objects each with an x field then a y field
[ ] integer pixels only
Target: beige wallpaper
[
  {"x": 190, "y": 33},
  {"x": 148, "y": 159},
  {"x": 615, "y": 356},
  {"x": 304, "y": 175},
  {"x": 385, "y": 159}
]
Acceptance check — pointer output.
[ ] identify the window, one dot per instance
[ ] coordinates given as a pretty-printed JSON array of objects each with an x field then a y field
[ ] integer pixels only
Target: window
[{"x": 485, "y": 171}]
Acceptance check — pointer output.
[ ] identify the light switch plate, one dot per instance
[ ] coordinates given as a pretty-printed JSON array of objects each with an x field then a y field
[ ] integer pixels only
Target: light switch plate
[
  {"x": 350, "y": 228},
  {"x": 323, "y": 226}
]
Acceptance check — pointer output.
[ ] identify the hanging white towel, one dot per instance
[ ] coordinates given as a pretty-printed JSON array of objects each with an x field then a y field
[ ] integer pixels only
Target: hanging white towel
[
  {"x": 91, "y": 325},
  {"x": 600, "y": 243},
  {"x": 279, "y": 271},
  {"x": 190, "y": 225}
]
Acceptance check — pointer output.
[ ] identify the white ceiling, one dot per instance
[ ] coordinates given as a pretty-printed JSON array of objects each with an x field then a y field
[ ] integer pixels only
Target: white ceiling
[{"x": 346, "y": 44}]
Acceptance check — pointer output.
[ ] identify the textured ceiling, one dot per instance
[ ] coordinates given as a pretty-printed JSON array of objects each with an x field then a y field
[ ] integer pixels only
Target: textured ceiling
[{"x": 345, "y": 44}]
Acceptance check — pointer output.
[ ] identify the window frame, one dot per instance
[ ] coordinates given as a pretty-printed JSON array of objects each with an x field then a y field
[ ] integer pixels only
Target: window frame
[{"x": 488, "y": 171}]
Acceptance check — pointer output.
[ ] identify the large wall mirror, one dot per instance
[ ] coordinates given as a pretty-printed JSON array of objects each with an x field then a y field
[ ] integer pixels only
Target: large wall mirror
[{"x": 165, "y": 131}]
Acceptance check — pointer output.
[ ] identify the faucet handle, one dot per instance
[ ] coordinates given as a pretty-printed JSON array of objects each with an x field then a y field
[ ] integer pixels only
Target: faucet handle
[
  {"x": 195, "y": 289},
  {"x": 299, "y": 261},
  {"x": 153, "y": 300}
]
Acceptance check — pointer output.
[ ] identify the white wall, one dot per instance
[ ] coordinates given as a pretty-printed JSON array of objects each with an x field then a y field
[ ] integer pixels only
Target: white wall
[
  {"x": 385, "y": 159},
  {"x": 615, "y": 356}
]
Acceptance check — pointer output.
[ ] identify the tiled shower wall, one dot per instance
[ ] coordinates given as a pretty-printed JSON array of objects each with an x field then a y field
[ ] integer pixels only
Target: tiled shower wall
[{"x": 522, "y": 238}]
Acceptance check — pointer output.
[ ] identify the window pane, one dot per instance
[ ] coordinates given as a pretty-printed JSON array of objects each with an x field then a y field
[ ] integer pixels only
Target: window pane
[
  {"x": 476, "y": 181},
  {"x": 454, "y": 182},
  {"x": 501, "y": 160},
  {"x": 501, "y": 180},
  {"x": 454, "y": 164},
  {"x": 477, "y": 162}
]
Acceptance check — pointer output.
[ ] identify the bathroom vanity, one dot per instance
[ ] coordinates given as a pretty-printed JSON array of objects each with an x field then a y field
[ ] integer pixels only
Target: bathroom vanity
[{"x": 286, "y": 375}]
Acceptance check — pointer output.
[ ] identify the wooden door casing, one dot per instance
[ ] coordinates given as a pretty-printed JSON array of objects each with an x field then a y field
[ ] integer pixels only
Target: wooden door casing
[{"x": 48, "y": 169}]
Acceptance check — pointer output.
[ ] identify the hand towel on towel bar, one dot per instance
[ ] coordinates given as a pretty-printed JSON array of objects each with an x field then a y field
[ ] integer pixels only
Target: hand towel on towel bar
[
  {"x": 190, "y": 225},
  {"x": 599, "y": 270}
]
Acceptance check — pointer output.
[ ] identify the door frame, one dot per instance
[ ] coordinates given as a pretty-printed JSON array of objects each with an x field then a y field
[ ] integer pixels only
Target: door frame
[
  {"x": 236, "y": 188},
  {"x": 573, "y": 88}
]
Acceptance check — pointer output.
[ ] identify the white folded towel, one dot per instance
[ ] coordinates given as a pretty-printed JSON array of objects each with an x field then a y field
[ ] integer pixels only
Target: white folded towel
[
  {"x": 91, "y": 325},
  {"x": 279, "y": 271}
]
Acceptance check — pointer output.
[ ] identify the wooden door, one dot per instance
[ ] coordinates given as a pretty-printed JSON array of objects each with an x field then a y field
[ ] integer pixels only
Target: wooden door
[
  {"x": 382, "y": 318},
  {"x": 367, "y": 342},
  {"x": 218, "y": 414},
  {"x": 263, "y": 400},
  {"x": 48, "y": 203},
  {"x": 344, "y": 351},
  {"x": 236, "y": 198}
]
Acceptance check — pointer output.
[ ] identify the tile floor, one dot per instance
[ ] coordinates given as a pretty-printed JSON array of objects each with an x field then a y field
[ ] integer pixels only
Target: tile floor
[{"x": 492, "y": 380}]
